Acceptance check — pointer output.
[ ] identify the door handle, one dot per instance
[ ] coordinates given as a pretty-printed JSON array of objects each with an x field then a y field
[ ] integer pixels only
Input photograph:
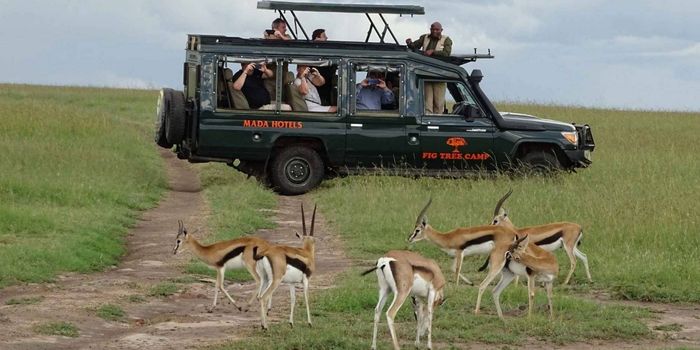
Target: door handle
[
  {"x": 430, "y": 127},
  {"x": 475, "y": 130},
  {"x": 355, "y": 125}
]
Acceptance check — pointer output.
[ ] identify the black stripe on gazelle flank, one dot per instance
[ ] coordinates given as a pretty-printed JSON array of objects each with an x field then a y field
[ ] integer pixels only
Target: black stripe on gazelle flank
[
  {"x": 551, "y": 239},
  {"x": 476, "y": 241},
  {"x": 299, "y": 265},
  {"x": 230, "y": 255}
]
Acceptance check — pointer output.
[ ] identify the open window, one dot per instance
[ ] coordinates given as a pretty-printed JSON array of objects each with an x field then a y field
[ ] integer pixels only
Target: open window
[
  {"x": 376, "y": 89},
  {"x": 311, "y": 85},
  {"x": 243, "y": 83},
  {"x": 447, "y": 97}
]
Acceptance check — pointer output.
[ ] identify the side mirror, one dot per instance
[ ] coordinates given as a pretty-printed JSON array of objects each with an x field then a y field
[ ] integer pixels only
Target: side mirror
[{"x": 471, "y": 112}]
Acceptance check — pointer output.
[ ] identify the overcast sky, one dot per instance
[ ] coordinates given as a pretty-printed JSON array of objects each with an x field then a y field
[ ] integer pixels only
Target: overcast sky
[{"x": 625, "y": 54}]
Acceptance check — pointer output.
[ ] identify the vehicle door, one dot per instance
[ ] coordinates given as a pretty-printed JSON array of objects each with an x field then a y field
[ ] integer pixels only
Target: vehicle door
[
  {"x": 448, "y": 138},
  {"x": 376, "y": 130}
]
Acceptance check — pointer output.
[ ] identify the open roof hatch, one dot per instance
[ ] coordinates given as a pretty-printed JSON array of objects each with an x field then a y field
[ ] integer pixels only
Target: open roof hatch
[{"x": 282, "y": 6}]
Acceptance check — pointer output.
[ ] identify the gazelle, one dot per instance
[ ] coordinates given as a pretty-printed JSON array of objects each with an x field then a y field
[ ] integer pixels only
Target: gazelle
[
  {"x": 278, "y": 263},
  {"x": 550, "y": 237},
  {"x": 233, "y": 254},
  {"x": 405, "y": 273},
  {"x": 462, "y": 241},
  {"x": 528, "y": 260}
]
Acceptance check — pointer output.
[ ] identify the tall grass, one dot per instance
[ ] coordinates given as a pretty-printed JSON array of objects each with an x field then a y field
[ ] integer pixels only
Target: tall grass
[
  {"x": 637, "y": 203},
  {"x": 78, "y": 164}
]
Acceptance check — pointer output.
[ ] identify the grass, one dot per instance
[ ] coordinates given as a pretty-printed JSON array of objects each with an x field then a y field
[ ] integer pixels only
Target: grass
[
  {"x": 24, "y": 301},
  {"x": 636, "y": 204},
  {"x": 79, "y": 165},
  {"x": 111, "y": 312},
  {"x": 61, "y": 328},
  {"x": 163, "y": 289}
]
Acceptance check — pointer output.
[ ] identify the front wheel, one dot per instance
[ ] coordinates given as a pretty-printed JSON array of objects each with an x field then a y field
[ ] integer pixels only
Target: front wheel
[
  {"x": 296, "y": 170},
  {"x": 542, "y": 161}
]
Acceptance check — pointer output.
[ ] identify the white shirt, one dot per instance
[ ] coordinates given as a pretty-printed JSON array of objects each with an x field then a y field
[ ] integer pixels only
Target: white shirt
[{"x": 313, "y": 95}]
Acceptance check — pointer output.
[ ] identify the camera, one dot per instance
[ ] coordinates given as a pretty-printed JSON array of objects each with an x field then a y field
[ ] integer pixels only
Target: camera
[
  {"x": 258, "y": 66},
  {"x": 372, "y": 81},
  {"x": 269, "y": 31}
]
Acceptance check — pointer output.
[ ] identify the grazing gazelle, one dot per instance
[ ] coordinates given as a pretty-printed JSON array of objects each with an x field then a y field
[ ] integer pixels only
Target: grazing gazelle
[
  {"x": 550, "y": 237},
  {"x": 405, "y": 273},
  {"x": 527, "y": 260},
  {"x": 278, "y": 263},
  {"x": 233, "y": 254},
  {"x": 462, "y": 241}
]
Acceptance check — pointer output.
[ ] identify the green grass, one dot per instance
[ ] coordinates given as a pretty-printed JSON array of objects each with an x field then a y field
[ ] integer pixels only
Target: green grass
[
  {"x": 65, "y": 329},
  {"x": 164, "y": 289},
  {"x": 111, "y": 312},
  {"x": 636, "y": 203},
  {"x": 24, "y": 301},
  {"x": 78, "y": 166}
]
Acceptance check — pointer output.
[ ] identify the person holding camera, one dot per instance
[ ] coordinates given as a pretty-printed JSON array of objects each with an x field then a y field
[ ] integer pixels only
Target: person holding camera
[
  {"x": 249, "y": 80},
  {"x": 372, "y": 92},
  {"x": 308, "y": 78},
  {"x": 278, "y": 31}
]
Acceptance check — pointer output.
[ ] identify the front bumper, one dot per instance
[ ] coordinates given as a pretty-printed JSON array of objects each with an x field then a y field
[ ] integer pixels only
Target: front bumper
[{"x": 581, "y": 156}]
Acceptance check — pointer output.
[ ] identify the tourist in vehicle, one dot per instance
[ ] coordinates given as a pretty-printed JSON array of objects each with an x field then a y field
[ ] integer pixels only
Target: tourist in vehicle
[
  {"x": 249, "y": 80},
  {"x": 278, "y": 31},
  {"x": 436, "y": 45},
  {"x": 328, "y": 73},
  {"x": 372, "y": 92},
  {"x": 308, "y": 78}
]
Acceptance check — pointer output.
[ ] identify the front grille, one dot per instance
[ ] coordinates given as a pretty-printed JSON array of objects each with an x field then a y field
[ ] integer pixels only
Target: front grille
[{"x": 585, "y": 137}]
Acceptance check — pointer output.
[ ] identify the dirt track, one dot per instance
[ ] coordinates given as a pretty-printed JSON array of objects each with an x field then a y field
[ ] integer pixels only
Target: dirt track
[
  {"x": 180, "y": 320},
  {"x": 174, "y": 322}
]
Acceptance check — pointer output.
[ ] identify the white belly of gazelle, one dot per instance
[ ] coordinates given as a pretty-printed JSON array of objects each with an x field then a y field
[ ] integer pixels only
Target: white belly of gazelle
[
  {"x": 420, "y": 287},
  {"x": 235, "y": 263},
  {"x": 292, "y": 275},
  {"x": 479, "y": 249}
]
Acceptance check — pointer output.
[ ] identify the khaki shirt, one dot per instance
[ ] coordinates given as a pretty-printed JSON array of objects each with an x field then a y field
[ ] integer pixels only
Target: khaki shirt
[{"x": 432, "y": 43}]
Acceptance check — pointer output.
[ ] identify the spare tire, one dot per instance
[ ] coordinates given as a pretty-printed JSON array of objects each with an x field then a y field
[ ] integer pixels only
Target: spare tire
[
  {"x": 175, "y": 118},
  {"x": 161, "y": 112}
]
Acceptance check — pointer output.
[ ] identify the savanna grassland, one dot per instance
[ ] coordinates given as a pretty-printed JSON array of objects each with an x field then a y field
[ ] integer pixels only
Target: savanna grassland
[
  {"x": 77, "y": 168},
  {"x": 641, "y": 234},
  {"x": 79, "y": 164}
]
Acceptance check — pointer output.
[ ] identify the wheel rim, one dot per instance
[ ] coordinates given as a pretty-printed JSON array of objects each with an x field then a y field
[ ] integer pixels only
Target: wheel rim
[{"x": 297, "y": 170}]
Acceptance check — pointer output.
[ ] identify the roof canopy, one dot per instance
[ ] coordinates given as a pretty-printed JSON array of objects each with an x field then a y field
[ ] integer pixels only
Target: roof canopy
[
  {"x": 283, "y": 6},
  {"x": 347, "y": 8}
]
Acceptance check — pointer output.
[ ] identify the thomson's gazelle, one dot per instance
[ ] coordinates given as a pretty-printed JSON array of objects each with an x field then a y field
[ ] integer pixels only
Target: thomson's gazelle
[
  {"x": 233, "y": 254},
  {"x": 405, "y": 273}
]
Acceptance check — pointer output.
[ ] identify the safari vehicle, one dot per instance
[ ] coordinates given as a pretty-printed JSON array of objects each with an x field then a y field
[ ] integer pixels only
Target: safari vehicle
[{"x": 294, "y": 149}]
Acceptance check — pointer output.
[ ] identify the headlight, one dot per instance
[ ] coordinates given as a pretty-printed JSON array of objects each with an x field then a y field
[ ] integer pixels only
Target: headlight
[{"x": 571, "y": 136}]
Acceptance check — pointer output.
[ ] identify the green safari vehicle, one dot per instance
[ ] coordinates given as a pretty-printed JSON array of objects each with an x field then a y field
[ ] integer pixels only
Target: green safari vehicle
[{"x": 293, "y": 149}]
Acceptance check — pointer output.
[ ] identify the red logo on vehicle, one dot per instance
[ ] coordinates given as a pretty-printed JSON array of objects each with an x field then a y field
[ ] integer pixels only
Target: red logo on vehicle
[{"x": 456, "y": 142}]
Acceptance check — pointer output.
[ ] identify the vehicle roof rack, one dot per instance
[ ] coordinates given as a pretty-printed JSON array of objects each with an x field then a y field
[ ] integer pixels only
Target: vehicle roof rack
[
  {"x": 463, "y": 59},
  {"x": 367, "y": 9}
]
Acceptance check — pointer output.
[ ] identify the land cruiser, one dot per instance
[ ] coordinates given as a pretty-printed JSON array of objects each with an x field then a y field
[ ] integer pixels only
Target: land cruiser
[{"x": 294, "y": 149}]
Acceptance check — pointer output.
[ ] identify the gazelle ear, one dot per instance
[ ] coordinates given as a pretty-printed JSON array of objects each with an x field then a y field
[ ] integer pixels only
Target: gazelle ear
[
  {"x": 424, "y": 221},
  {"x": 297, "y": 234}
]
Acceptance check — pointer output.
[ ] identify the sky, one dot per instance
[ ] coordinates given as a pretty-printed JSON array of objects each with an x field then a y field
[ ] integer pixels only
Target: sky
[{"x": 628, "y": 54}]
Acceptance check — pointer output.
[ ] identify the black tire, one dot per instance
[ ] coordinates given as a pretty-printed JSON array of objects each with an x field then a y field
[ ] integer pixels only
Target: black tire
[
  {"x": 175, "y": 119},
  {"x": 542, "y": 161},
  {"x": 296, "y": 170},
  {"x": 161, "y": 112}
]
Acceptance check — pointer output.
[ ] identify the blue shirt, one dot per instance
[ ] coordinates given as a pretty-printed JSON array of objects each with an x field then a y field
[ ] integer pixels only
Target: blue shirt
[{"x": 372, "y": 98}]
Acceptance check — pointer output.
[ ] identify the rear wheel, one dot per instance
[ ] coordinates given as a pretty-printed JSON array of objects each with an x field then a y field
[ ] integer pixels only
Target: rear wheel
[
  {"x": 296, "y": 170},
  {"x": 175, "y": 119},
  {"x": 542, "y": 161},
  {"x": 161, "y": 112}
]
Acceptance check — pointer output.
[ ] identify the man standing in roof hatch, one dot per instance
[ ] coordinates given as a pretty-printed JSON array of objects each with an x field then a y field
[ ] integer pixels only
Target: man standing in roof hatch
[{"x": 433, "y": 44}]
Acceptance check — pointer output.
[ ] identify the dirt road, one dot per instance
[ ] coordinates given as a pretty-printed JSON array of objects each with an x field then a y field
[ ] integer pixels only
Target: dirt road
[{"x": 174, "y": 322}]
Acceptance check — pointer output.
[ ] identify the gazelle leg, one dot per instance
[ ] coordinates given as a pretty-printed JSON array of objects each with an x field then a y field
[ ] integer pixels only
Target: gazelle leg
[
  {"x": 419, "y": 310},
  {"x": 223, "y": 290},
  {"x": 292, "y": 303},
  {"x": 219, "y": 277},
  {"x": 383, "y": 292},
  {"x": 459, "y": 275},
  {"x": 305, "y": 281},
  {"x": 584, "y": 259},
  {"x": 252, "y": 270},
  {"x": 530, "y": 294},
  {"x": 429, "y": 320},
  {"x": 495, "y": 266},
  {"x": 506, "y": 277},
  {"x": 572, "y": 263},
  {"x": 548, "y": 286},
  {"x": 399, "y": 299}
]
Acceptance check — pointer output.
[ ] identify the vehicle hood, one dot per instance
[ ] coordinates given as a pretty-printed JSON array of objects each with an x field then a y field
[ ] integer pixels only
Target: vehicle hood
[{"x": 519, "y": 121}]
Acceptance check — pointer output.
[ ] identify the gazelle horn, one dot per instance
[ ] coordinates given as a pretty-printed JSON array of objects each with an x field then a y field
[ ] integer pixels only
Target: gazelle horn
[
  {"x": 313, "y": 220},
  {"x": 500, "y": 202},
  {"x": 422, "y": 212},
  {"x": 303, "y": 220}
]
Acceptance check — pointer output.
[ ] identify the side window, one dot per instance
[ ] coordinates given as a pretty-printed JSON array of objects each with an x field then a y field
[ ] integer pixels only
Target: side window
[
  {"x": 445, "y": 97},
  {"x": 311, "y": 85},
  {"x": 246, "y": 83},
  {"x": 377, "y": 89}
]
